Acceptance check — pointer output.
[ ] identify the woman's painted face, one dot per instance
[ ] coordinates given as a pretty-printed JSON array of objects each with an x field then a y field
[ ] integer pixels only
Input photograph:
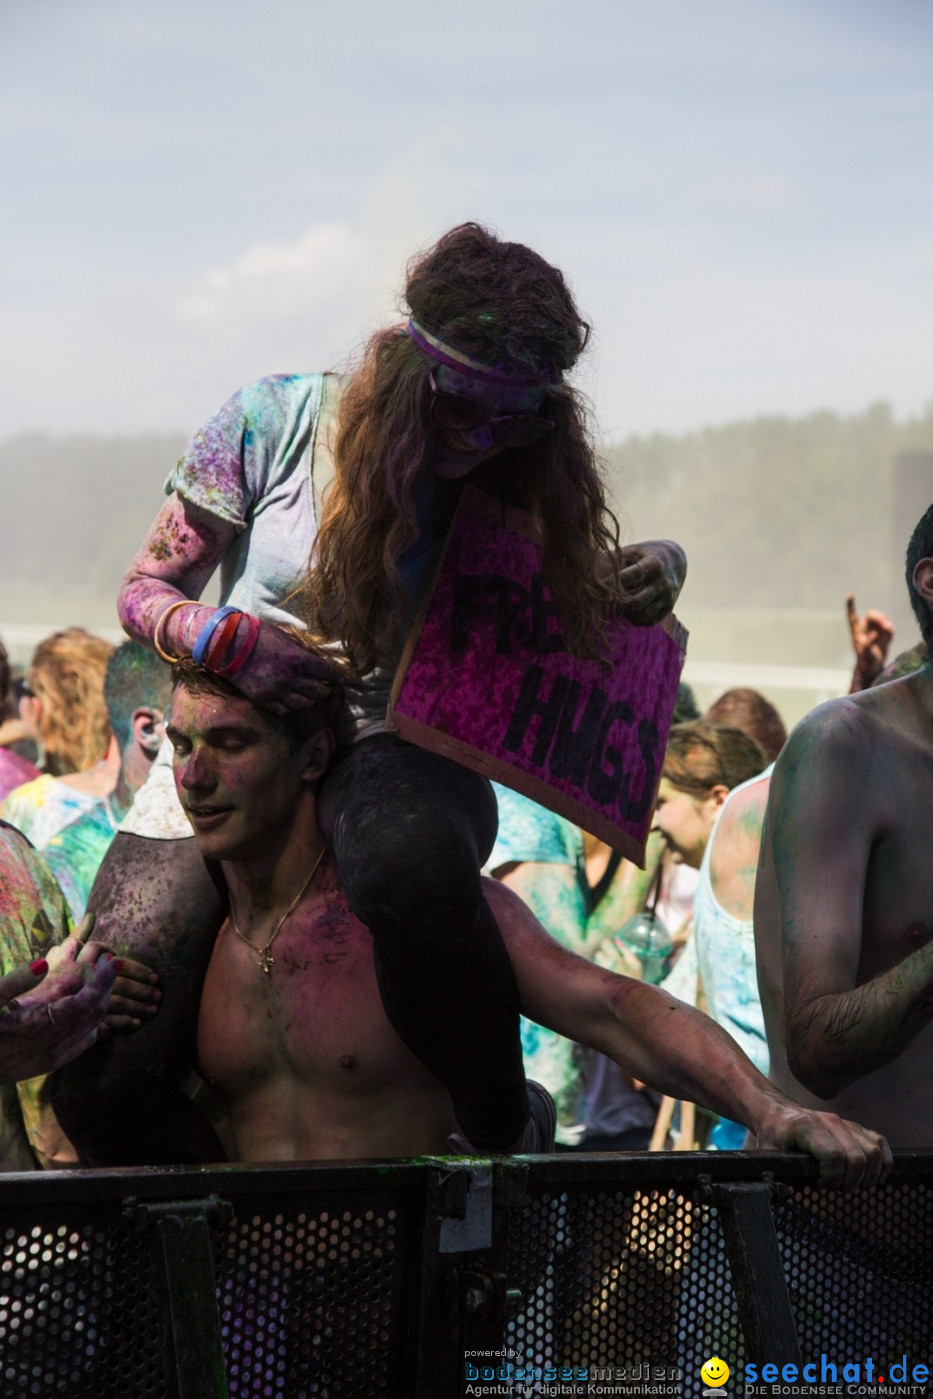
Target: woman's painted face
[
  {"x": 685, "y": 821},
  {"x": 455, "y": 454}
]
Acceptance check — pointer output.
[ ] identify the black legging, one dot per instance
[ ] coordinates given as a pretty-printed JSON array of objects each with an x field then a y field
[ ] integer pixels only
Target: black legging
[{"x": 409, "y": 830}]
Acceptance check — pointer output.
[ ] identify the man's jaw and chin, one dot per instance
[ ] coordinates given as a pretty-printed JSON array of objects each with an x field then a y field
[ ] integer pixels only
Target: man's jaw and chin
[
  {"x": 222, "y": 837},
  {"x": 206, "y": 819},
  {"x": 217, "y": 836}
]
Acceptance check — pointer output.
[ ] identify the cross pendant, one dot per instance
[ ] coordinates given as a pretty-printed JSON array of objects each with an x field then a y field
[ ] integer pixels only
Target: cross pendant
[{"x": 266, "y": 962}]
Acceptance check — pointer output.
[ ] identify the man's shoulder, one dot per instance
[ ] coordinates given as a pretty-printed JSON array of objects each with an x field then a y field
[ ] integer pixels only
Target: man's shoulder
[
  {"x": 877, "y": 718},
  {"x": 837, "y": 725},
  {"x": 839, "y": 757}
]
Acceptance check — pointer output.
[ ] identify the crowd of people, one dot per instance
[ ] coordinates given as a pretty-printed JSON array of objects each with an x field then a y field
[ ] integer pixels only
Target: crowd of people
[{"x": 313, "y": 940}]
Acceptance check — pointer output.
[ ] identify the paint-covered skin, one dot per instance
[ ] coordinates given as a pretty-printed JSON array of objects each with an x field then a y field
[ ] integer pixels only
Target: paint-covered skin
[
  {"x": 301, "y": 1054},
  {"x": 76, "y": 986},
  {"x": 653, "y": 574},
  {"x": 178, "y": 556},
  {"x": 736, "y": 847},
  {"x": 844, "y": 910},
  {"x": 288, "y": 1061},
  {"x": 309, "y": 1067},
  {"x": 34, "y": 924},
  {"x": 231, "y": 774},
  {"x": 455, "y": 454},
  {"x": 672, "y": 1047}
]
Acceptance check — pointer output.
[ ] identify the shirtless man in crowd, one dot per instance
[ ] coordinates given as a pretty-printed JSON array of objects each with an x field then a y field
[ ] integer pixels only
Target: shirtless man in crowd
[
  {"x": 844, "y": 901},
  {"x": 292, "y": 1033}
]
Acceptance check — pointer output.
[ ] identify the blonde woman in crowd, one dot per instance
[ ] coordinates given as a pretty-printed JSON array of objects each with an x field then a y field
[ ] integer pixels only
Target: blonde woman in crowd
[{"x": 62, "y": 707}]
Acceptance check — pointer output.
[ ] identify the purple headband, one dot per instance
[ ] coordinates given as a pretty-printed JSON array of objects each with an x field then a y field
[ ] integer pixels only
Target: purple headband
[{"x": 455, "y": 359}]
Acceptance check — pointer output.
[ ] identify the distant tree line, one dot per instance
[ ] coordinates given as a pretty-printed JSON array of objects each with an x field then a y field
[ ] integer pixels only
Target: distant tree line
[
  {"x": 76, "y": 508},
  {"x": 776, "y": 511},
  {"x": 772, "y": 512}
]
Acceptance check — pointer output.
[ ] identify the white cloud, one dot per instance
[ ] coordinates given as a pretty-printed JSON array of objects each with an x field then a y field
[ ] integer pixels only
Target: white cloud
[{"x": 269, "y": 280}]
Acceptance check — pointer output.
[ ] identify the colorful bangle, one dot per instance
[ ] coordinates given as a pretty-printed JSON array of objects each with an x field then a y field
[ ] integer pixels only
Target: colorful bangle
[
  {"x": 245, "y": 651},
  {"x": 222, "y": 640},
  {"x": 199, "y": 649},
  {"x": 157, "y": 629}
]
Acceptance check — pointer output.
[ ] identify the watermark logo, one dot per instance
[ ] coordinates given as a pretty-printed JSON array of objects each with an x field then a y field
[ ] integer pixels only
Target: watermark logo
[
  {"x": 837, "y": 1377},
  {"x": 714, "y": 1373}
]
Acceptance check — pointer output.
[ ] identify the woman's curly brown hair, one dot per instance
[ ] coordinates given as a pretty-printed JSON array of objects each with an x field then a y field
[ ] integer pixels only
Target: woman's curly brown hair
[
  {"x": 67, "y": 674},
  {"x": 503, "y": 305}
]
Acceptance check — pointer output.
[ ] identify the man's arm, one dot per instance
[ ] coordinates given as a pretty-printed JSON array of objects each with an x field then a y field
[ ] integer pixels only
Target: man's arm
[
  {"x": 672, "y": 1047},
  {"x": 827, "y": 806}
]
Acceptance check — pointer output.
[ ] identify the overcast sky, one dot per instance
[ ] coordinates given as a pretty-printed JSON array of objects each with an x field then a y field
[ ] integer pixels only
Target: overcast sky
[{"x": 200, "y": 192}]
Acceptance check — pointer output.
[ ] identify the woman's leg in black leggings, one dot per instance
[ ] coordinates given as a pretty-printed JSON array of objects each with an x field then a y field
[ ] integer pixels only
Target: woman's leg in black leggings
[
  {"x": 409, "y": 830},
  {"x": 120, "y": 1103}
]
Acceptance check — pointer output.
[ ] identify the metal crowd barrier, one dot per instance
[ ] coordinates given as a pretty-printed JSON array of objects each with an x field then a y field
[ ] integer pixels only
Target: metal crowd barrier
[{"x": 433, "y": 1279}]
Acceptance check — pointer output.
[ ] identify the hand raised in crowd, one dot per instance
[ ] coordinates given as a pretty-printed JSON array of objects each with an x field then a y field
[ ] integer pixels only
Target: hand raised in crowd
[
  {"x": 872, "y": 635},
  {"x": 848, "y": 1155},
  {"x": 652, "y": 575}
]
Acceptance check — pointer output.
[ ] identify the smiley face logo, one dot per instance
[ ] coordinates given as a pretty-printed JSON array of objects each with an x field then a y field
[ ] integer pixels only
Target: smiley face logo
[{"x": 714, "y": 1373}]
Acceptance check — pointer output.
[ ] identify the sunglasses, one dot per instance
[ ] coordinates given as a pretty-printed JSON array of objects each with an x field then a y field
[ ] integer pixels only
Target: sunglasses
[{"x": 459, "y": 413}]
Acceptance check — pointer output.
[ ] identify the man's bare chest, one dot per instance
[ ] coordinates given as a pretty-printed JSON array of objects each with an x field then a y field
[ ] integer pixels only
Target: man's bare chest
[{"x": 315, "y": 1016}]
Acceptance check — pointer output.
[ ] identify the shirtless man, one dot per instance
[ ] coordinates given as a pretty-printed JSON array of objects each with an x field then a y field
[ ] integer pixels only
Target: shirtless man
[
  {"x": 844, "y": 901},
  {"x": 292, "y": 1033}
]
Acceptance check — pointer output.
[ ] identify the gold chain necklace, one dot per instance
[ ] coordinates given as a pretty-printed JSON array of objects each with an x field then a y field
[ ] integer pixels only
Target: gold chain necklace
[{"x": 266, "y": 960}]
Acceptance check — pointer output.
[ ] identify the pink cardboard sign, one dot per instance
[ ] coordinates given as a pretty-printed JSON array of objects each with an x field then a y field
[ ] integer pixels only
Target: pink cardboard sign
[{"x": 487, "y": 680}]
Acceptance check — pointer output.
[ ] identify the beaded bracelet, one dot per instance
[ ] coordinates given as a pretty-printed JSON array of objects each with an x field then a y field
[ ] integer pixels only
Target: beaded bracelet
[
  {"x": 246, "y": 650},
  {"x": 160, "y": 623},
  {"x": 199, "y": 650}
]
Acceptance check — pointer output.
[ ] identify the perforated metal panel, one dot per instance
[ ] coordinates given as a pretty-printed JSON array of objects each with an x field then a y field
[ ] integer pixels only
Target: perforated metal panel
[
  {"x": 860, "y": 1271},
  {"x": 308, "y": 1303},
  {"x": 330, "y": 1283},
  {"x": 309, "y": 1279},
  {"x": 635, "y": 1286},
  {"x": 613, "y": 1281},
  {"x": 80, "y": 1311}
]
